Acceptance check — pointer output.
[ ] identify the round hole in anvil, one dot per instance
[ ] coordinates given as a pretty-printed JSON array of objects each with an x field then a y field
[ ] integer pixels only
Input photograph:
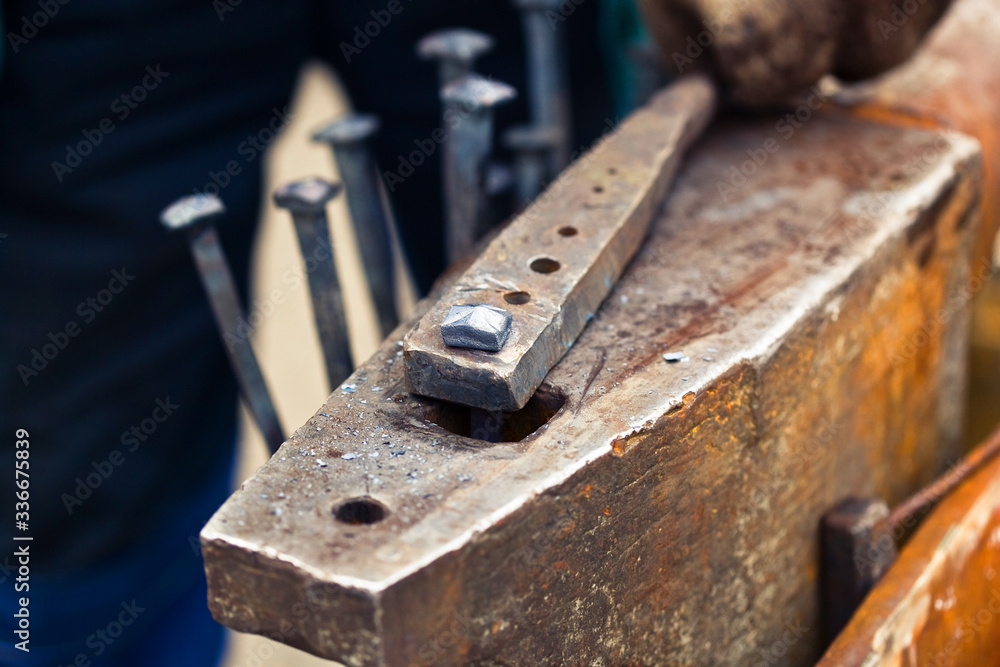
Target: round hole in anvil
[
  {"x": 517, "y": 298},
  {"x": 568, "y": 230},
  {"x": 360, "y": 511},
  {"x": 544, "y": 265}
]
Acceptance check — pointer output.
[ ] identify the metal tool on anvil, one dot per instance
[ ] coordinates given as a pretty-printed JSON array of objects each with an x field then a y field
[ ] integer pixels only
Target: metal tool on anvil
[
  {"x": 196, "y": 215},
  {"x": 550, "y": 277},
  {"x": 306, "y": 200},
  {"x": 468, "y": 115},
  {"x": 370, "y": 211}
]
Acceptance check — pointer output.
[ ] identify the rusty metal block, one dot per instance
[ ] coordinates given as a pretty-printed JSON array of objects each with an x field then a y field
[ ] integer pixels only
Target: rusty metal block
[
  {"x": 939, "y": 605},
  {"x": 640, "y": 511}
]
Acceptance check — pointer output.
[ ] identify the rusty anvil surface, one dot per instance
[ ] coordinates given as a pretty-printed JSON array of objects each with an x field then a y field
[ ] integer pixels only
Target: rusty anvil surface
[{"x": 666, "y": 513}]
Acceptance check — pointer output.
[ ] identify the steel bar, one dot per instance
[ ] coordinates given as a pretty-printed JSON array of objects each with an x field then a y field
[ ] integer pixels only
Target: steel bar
[
  {"x": 469, "y": 103},
  {"x": 455, "y": 50},
  {"x": 195, "y": 216},
  {"x": 306, "y": 200},
  {"x": 555, "y": 275},
  {"x": 348, "y": 138},
  {"x": 548, "y": 87}
]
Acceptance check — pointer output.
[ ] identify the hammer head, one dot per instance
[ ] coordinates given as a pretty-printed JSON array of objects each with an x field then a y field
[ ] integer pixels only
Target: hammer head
[
  {"x": 192, "y": 210},
  {"x": 309, "y": 195}
]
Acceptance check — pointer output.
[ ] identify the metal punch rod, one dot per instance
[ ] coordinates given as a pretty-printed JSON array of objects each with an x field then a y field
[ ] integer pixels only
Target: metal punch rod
[
  {"x": 306, "y": 200},
  {"x": 348, "y": 138},
  {"x": 195, "y": 216},
  {"x": 469, "y": 102}
]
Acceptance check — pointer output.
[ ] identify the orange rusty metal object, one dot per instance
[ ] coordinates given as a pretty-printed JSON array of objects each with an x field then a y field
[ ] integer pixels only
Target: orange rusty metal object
[
  {"x": 951, "y": 82},
  {"x": 641, "y": 511},
  {"x": 939, "y": 604}
]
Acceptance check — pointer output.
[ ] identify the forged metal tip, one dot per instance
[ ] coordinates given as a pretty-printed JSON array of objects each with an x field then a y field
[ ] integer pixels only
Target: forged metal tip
[
  {"x": 454, "y": 44},
  {"x": 531, "y": 138},
  {"x": 477, "y": 92},
  {"x": 347, "y": 129},
  {"x": 192, "y": 210},
  {"x": 309, "y": 195},
  {"x": 476, "y": 326}
]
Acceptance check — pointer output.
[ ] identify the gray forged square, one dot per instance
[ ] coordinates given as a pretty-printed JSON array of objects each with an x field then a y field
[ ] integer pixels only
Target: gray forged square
[{"x": 477, "y": 326}]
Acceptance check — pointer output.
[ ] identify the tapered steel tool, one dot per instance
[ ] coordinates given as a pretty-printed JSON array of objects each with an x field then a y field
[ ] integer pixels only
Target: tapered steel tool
[
  {"x": 348, "y": 138},
  {"x": 306, "y": 200},
  {"x": 469, "y": 103},
  {"x": 195, "y": 215}
]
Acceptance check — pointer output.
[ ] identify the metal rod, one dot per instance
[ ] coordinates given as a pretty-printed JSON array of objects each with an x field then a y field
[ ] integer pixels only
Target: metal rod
[
  {"x": 455, "y": 50},
  {"x": 926, "y": 498},
  {"x": 548, "y": 88},
  {"x": 469, "y": 103},
  {"x": 195, "y": 215},
  {"x": 306, "y": 200},
  {"x": 348, "y": 139}
]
